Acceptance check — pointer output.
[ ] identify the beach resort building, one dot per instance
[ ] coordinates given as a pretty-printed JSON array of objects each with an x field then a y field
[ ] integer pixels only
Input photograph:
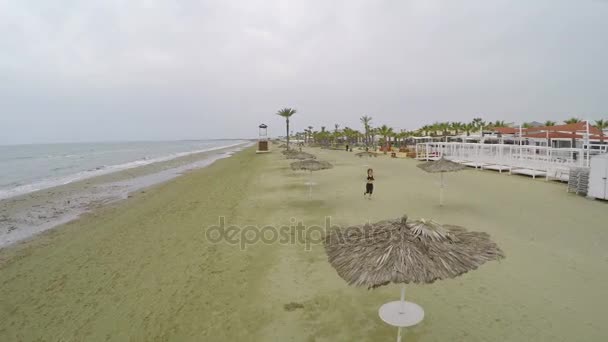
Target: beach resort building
[{"x": 547, "y": 151}]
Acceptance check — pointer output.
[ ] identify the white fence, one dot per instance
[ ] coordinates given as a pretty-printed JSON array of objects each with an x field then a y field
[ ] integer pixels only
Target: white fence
[{"x": 554, "y": 161}]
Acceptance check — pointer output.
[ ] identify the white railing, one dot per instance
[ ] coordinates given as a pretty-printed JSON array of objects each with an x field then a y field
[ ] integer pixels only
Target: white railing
[{"x": 515, "y": 156}]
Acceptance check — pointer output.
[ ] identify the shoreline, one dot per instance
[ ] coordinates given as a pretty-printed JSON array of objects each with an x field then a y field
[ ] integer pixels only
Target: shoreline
[
  {"x": 52, "y": 182},
  {"x": 22, "y": 217}
]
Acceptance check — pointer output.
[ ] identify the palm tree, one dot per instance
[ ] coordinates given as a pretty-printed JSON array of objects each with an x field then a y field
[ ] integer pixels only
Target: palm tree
[
  {"x": 323, "y": 137},
  {"x": 433, "y": 129},
  {"x": 348, "y": 134},
  {"x": 314, "y": 137},
  {"x": 366, "y": 120},
  {"x": 456, "y": 127},
  {"x": 550, "y": 123},
  {"x": 372, "y": 136},
  {"x": 402, "y": 136},
  {"x": 424, "y": 130},
  {"x": 386, "y": 132},
  {"x": 468, "y": 128},
  {"x": 481, "y": 125},
  {"x": 602, "y": 125},
  {"x": 299, "y": 135},
  {"x": 444, "y": 127},
  {"x": 286, "y": 113},
  {"x": 477, "y": 122},
  {"x": 572, "y": 120},
  {"x": 309, "y": 134},
  {"x": 498, "y": 123}
]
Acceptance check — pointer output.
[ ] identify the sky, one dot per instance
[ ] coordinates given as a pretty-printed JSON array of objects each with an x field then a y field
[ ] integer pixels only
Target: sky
[{"x": 110, "y": 70}]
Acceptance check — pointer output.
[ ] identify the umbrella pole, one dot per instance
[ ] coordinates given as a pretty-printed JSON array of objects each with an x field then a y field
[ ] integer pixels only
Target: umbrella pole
[
  {"x": 441, "y": 190},
  {"x": 402, "y": 310},
  {"x": 402, "y": 299},
  {"x": 310, "y": 186}
]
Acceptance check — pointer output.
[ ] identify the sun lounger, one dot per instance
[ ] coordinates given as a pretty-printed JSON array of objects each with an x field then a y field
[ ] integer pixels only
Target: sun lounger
[
  {"x": 562, "y": 175},
  {"x": 529, "y": 172},
  {"x": 496, "y": 167},
  {"x": 476, "y": 165}
]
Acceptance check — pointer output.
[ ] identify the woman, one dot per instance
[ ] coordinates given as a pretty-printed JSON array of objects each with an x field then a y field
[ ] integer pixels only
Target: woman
[{"x": 369, "y": 186}]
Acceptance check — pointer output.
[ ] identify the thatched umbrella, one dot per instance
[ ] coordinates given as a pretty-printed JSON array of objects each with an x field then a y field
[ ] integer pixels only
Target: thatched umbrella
[
  {"x": 300, "y": 156},
  {"x": 310, "y": 165},
  {"x": 403, "y": 252},
  {"x": 366, "y": 154},
  {"x": 441, "y": 166},
  {"x": 287, "y": 152}
]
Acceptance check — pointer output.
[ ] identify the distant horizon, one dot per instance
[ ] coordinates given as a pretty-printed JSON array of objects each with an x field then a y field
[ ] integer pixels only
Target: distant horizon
[
  {"x": 119, "y": 141},
  {"x": 281, "y": 129}
]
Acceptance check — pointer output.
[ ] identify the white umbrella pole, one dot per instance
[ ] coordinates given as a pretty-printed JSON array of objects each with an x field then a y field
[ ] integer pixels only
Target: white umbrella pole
[
  {"x": 310, "y": 186},
  {"x": 402, "y": 309},
  {"x": 441, "y": 190}
]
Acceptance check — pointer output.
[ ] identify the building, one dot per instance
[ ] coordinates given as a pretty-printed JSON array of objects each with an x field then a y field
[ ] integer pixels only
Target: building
[{"x": 560, "y": 136}]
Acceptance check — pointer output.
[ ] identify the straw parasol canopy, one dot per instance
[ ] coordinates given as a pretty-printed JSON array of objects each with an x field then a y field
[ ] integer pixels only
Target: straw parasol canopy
[
  {"x": 441, "y": 165},
  {"x": 286, "y": 152},
  {"x": 311, "y": 165},
  {"x": 366, "y": 154},
  {"x": 402, "y": 251},
  {"x": 300, "y": 156}
]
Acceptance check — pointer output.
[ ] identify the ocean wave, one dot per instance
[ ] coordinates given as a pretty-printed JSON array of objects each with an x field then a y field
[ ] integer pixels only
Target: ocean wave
[{"x": 98, "y": 171}]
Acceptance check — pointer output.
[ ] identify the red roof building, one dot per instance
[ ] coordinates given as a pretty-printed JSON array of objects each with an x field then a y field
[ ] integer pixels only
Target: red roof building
[
  {"x": 580, "y": 127},
  {"x": 577, "y": 131},
  {"x": 569, "y": 131},
  {"x": 507, "y": 130}
]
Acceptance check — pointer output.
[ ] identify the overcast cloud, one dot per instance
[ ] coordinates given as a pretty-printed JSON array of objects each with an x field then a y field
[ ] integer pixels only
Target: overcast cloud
[{"x": 77, "y": 70}]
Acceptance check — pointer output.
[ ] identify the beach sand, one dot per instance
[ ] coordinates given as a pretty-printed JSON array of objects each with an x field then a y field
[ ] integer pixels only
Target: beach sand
[
  {"x": 143, "y": 269},
  {"x": 26, "y": 215}
]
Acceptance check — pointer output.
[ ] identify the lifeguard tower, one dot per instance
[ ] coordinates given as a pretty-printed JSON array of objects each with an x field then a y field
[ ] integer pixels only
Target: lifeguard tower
[{"x": 263, "y": 139}]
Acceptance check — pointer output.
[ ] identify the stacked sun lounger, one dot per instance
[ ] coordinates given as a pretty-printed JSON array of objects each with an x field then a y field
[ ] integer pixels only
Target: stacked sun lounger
[
  {"x": 583, "y": 182},
  {"x": 578, "y": 181},
  {"x": 573, "y": 179}
]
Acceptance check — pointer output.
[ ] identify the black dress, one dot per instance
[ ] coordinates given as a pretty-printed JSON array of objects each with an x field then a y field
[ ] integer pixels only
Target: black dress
[{"x": 369, "y": 187}]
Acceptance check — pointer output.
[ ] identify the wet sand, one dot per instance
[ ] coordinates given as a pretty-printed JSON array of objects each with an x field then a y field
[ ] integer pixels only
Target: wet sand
[
  {"x": 143, "y": 269},
  {"x": 21, "y": 217}
]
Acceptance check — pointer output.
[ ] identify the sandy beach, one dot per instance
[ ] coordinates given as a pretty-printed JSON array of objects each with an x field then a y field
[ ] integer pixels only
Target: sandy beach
[
  {"x": 144, "y": 268},
  {"x": 21, "y": 217}
]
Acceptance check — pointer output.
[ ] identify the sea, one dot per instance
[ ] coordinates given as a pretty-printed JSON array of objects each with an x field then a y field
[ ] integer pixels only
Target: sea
[{"x": 29, "y": 168}]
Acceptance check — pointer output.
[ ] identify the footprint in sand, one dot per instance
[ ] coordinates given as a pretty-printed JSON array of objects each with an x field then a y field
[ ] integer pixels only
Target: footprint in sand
[{"x": 293, "y": 306}]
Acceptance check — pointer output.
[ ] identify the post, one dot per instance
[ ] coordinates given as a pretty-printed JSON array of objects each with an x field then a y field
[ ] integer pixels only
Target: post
[
  {"x": 310, "y": 186},
  {"x": 520, "y": 134},
  {"x": 402, "y": 299},
  {"x": 440, "y": 191},
  {"x": 402, "y": 307}
]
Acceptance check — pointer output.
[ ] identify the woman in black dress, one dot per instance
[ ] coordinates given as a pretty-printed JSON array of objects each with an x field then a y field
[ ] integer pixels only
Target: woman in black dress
[{"x": 369, "y": 186}]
